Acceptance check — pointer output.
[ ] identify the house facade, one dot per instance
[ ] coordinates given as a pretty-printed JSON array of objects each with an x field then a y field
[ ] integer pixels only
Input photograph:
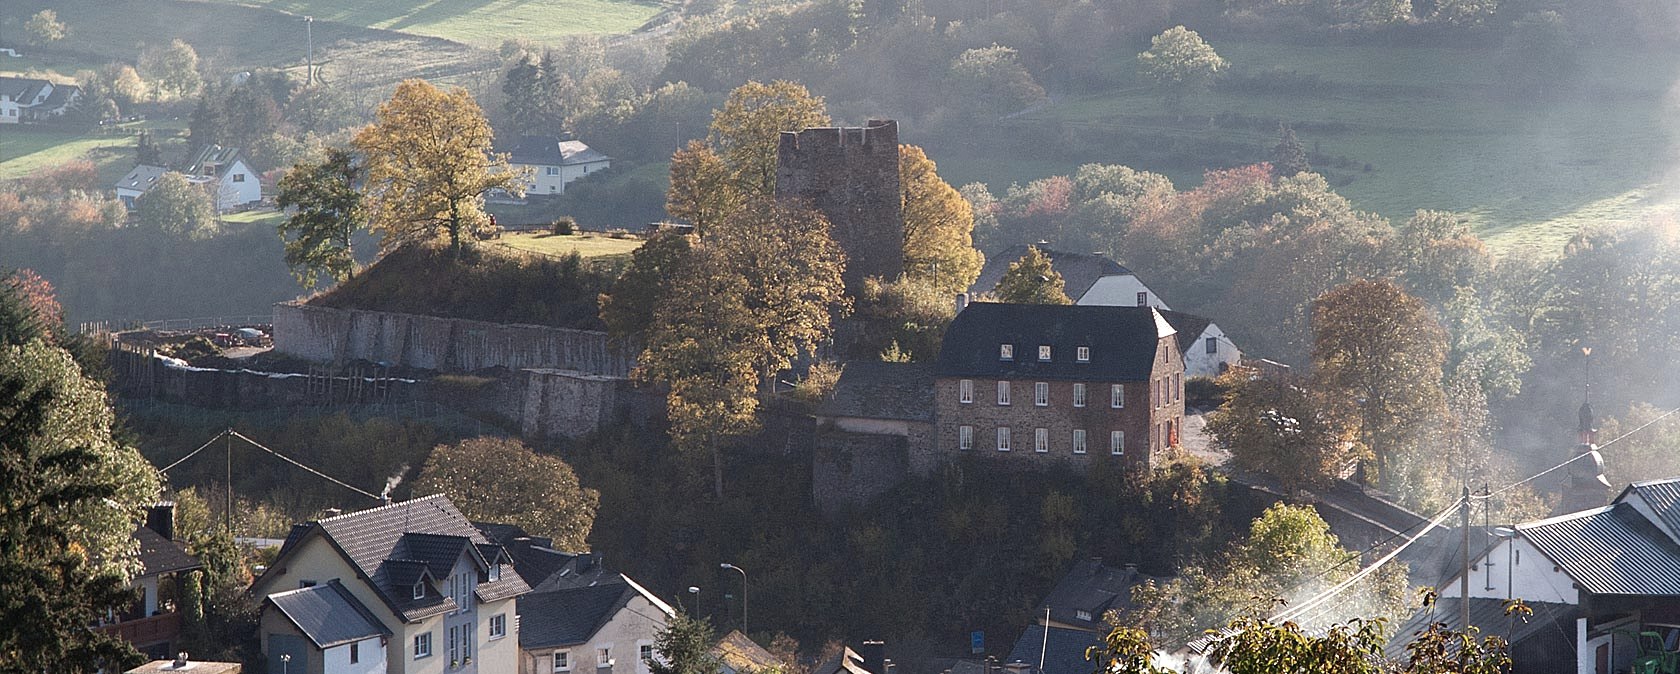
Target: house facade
[
  {"x": 27, "y": 99},
  {"x": 605, "y": 628},
  {"x": 440, "y": 595},
  {"x": 224, "y": 171},
  {"x": 152, "y": 623},
  {"x": 1207, "y": 351},
  {"x": 550, "y": 163},
  {"x": 1037, "y": 383}
]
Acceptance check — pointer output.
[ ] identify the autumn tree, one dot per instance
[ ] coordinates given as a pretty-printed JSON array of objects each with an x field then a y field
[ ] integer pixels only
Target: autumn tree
[
  {"x": 628, "y": 311},
  {"x": 1274, "y": 427},
  {"x": 73, "y": 497},
  {"x": 326, "y": 210},
  {"x": 1289, "y": 157},
  {"x": 938, "y": 226},
  {"x": 429, "y": 166},
  {"x": 172, "y": 70},
  {"x": 178, "y": 208},
  {"x": 1435, "y": 254},
  {"x": 992, "y": 82},
  {"x": 501, "y": 480},
  {"x": 1180, "y": 63},
  {"x": 1377, "y": 358},
  {"x": 44, "y": 28},
  {"x": 701, "y": 191},
  {"x": 747, "y": 130},
  {"x": 1032, "y": 280}
]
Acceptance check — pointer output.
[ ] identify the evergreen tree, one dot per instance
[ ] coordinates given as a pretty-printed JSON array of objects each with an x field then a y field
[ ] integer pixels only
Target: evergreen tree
[
  {"x": 209, "y": 123},
  {"x": 523, "y": 89},
  {"x": 684, "y": 647},
  {"x": 1032, "y": 280},
  {"x": 147, "y": 151},
  {"x": 1289, "y": 157}
]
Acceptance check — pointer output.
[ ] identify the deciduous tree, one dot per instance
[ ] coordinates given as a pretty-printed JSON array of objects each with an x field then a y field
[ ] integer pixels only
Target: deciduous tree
[
  {"x": 429, "y": 165},
  {"x": 501, "y": 480},
  {"x": 44, "y": 28},
  {"x": 177, "y": 207},
  {"x": 938, "y": 226},
  {"x": 1180, "y": 63},
  {"x": 992, "y": 82},
  {"x": 326, "y": 210},
  {"x": 172, "y": 69},
  {"x": 1274, "y": 427},
  {"x": 702, "y": 192},
  {"x": 1032, "y": 280},
  {"x": 654, "y": 268},
  {"x": 746, "y": 131}
]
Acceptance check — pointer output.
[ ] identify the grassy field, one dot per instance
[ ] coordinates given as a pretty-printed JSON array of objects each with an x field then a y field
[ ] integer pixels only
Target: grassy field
[
  {"x": 483, "y": 23},
  {"x": 1424, "y": 121},
  {"x": 27, "y": 148},
  {"x": 550, "y": 245}
]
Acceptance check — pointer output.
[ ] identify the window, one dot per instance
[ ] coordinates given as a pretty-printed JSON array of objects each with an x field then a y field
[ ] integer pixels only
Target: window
[
  {"x": 419, "y": 589},
  {"x": 454, "y": 650},
  {"x": 603, "y": 656},
  {"x": 1178, "y": 386},
  {"x": 305, "y": 583},
  {"x": 1213, "y": 345},
  {"x": 423, "y": 645},
  {"x": 1079, "y": 395},
  {"x": 965, "y": 390},
  {"x": 552, "y": 170},
  {"x": 467, "y": 631},
  {"x": 1078, "y": 441},
  {"x": 562, "y": 661},
  {"x": 239, "y": 177},
  {"x": 1003, "y": 438},
  {"x": 646, "y": 653},
  {"x": 355, "y": 653},
  {"x": 495, "y": 572},
  {"x": 1003, "y": 393},
  {"x": 1043, "y": 354},
  {"x": 1143, "y": 299},
  {"x": 1117, "y": 442},
  {"x": 1041, "y": 440},
  {"x": 1116, "y": 396},
  {"x": 1083, "y": 354},
  {"x": 1006, "y": 352},
  {"x": 965, "y": 437},
  {"x": 1041, "y": 394},
  {"x": 498, "y": 626},
  {"x": 1082, "y": 615}
]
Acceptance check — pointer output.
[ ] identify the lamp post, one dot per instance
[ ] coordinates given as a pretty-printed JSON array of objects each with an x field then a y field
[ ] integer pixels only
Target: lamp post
[
  {"x": 285, "y": 663},
  {"x": 696, "y": 592},
  {"x": 727, "y": 565}
]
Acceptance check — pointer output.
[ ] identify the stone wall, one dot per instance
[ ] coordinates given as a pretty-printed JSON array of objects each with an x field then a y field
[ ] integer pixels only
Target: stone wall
[
  {"x": 443, "y": 344},
  {"x": 141, "y": 373},
  {"x": 570, "y": 404},
  {"x": 850, "y": 469},
  {"x": 851, "y": 175}
]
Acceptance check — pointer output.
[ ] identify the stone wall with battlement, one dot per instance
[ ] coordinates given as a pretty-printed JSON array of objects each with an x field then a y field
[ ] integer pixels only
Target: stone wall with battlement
[{"x": 850, "y": 174}]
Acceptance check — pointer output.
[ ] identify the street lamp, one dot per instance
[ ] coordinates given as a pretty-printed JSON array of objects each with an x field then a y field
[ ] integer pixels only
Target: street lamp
[
  {"x": 285, "y": 663},
  {"x": 696, "y": 592},
  {"x": 727, "y": 565}
]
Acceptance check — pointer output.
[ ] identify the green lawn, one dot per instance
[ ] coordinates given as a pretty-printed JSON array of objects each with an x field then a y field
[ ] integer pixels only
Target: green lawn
[
  {"x": 27, "y": 148},
  {"x": 586, "y": 245},
  {"x": 483, "y": 23},
  {"x": 1525, "y": 172}
]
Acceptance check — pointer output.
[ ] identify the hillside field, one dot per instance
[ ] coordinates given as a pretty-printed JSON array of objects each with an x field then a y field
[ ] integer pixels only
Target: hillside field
[
  {"x": 1423, "y": 119},
  {"x": 483, "y": 23},
  {"x": 27, "y": 148}
]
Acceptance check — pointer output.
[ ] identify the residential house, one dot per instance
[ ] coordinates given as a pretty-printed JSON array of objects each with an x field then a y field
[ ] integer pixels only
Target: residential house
[
  {"x": 227, "y": 175},
  {"x": 1035, "y": 382},
  {"x": 543, "y": 566},
  {"x": 738, "y": 654},
  {"x": 417, "y": 571},
  {"x": 1073, "y": 615},
  {"x": 1207, "y": 351},
  {"x": 26, "y": 99},
  {"x": 153, "y": 622},
  {"x": 140, "y": 180},
  {"x": 1597, "y": 578},
  {"x": 604, "y": 628},
  {"x": 552, "y": 163}
]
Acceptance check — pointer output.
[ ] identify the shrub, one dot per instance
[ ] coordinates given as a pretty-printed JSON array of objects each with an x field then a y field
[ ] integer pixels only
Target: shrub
[{"x": 563, "y": 226}]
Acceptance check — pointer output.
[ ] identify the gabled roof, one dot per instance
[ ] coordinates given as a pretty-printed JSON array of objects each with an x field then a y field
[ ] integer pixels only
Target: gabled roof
[
  {"x": 542, "y": 566},
  {"x": 22, "y": 89},
  {"x": 551, "y": 151},
  {"x": 214, "y": 161},
  {"x": 571, "y": 616},
  {"x": 1079, "y": 270},
  {"x": 382, "y": 543},
  {"x": 1489, "y": 616},
  {"x": 61, "y": 96},
  {"x": 1122, "y": 342},
  {"x": 881, "y": 390},
  {"x": 1189, "y": 326},
  {"x": 847, "y": 661},
  {"x": 1094, "y": 588},
  {"x": 142, "y": 177},
  {"x": 1063, "y": 651},
  {"x": 328, "y": 614},
  {"x": 739, "y": 654},
  {"x": 1664, "y": 498},
  {"x": 159, "y": 555},
  {"x": 1610, "y": 550}
]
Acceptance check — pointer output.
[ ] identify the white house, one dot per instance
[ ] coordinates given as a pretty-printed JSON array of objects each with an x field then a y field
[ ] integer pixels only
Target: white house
[
  {"x": 139, "y": 181},
  {"x": 228, "y": 176},
  {"x": 439, "y": 595},
  {"x": 551, "y": 163},
  {"x": 1207, "y": 351},
  {"x": 605, "y": 628},
  {"x": 24, "y": 99}
]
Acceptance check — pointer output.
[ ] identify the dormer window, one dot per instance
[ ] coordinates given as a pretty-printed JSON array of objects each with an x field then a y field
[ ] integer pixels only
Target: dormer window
[
  {"x": 1006, "y": 352},
  {"x": 419, "y": 589},
  {"x": 1082, "y": 615},
  {"x": 1083, "y": 354},
  {"x": 495, "y": 572},
  {"x": 1043, "y": 354}
]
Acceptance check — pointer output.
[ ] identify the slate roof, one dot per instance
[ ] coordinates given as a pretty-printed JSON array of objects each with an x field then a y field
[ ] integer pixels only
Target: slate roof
[
  {"x": 1664, "y": 498},
  {"x": 1079, "y": 271},
  {"x": 159, "y": 555},
  {"x": 542, "y": 566},
  {"x": 1093, "y": 587},
  {"x": 22, "y": 89},
  {"x": 738, "y": 654},
  {"x": 142, "y": 177},
  {"x": 569, "y": 616},
  {"x": 1189, "y": 327},
  {"x": 1610, "y": 550},
  {"x": 1122, "y": 342},
  {"x": 61, "y": 96},
  {"x": 551, "y": 151},
  {"x": 847, "y": 661},
  {"x": 383, "y": 545},
  {"x": 1489, "y": 616},
  {"x": 214, "y": 157},
  {"x": 1064, "y": 651},
  {"x": 328, "y": 614},
  {"x": 880, "y": 390}
]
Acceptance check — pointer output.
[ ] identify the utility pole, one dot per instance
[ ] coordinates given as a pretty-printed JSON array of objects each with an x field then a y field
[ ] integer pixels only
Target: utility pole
[
  {"x": 227, "y": 514},
  {"x": 309, "y": 31},
  {"x": 1464, "y": 577}
]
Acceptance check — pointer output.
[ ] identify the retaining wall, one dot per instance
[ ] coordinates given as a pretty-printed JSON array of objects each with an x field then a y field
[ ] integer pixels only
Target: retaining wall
[
  {"x": 142, "y": 373},
  {"x": 443, "y": 344}
]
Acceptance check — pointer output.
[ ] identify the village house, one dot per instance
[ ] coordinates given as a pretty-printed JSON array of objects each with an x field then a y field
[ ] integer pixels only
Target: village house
[
  {"x": 1073, "y": 615},
  {"x": 227, "y": 175},
  {"x": 1035, "y": 382},
  {"x": 152, "y": 624},
  {"x": 551, "y": 163},
  {"x": 405, "y": 588},
  {"x": 26, "y": 99},
  {"x": 1096, "y": 280},
  {"x": 138, "y": 181}
]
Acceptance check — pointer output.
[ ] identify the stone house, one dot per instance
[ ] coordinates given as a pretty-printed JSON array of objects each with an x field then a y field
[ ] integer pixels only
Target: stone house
[
  {"x": 412, "y": 585},
  {"x": 1035, "y": 383},
  {"x": 606, "y": 627}
]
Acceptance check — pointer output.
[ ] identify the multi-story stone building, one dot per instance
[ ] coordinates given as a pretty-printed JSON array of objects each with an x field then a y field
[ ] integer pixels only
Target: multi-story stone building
[{"x": 1041, "y": 383}]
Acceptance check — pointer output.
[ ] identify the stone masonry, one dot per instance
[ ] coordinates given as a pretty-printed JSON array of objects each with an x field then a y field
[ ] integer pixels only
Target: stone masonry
[{"x": 850, "y": 174}]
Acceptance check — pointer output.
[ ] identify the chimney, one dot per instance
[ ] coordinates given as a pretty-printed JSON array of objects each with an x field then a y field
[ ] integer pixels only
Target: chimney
[
  {"x": 160, "y": 517},
  {"x": 585, "y": 562},
  {"x": 962, "y": 302},
  {"x": 874, "y": 654},
  {"x": 180, "y": 660}
]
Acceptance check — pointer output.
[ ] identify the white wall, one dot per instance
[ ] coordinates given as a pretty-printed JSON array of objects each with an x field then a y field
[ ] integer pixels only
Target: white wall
[
  {"x": 541, "y": 183},
  {"x": 371, "y": 654},
  {"x": 231, "y": 193},
  {"x": 1529, "y": 577},
  {"x": 1199, "y": 363},
  {"x": 1120, "y": 291},
  {"x": 9, "y": 111}
]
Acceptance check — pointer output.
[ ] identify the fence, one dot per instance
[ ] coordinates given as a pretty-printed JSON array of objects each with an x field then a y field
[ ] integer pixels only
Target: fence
[{"x": 175, "y": 324}]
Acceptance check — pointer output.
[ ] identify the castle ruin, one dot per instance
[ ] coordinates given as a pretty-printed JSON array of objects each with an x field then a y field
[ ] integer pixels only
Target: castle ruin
[{"x": 850, "y": 174}]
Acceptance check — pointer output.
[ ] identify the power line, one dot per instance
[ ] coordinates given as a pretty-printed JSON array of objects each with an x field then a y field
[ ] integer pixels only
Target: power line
[
  {"x": 1577, "y": 457},
  {"x": 1305, "y": 606},
  {"x": 193, "y": 453},
  {"x": 317, "y": 473}
]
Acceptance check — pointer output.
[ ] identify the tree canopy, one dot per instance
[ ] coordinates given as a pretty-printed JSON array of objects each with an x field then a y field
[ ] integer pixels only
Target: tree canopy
[
  {"x": 177, "y": 207},
  {"x": 747, "y": 130},
  {"x": 685, "y": 647},
  {"x": 1032, "y": 280},
  {"x": 328, "y": 212},
  {"x": 938, "y": 226},
  {"x": 1180, "y": 62},
  {"x": 44, "y": 28},
  {"x": 501, "y": 480}
]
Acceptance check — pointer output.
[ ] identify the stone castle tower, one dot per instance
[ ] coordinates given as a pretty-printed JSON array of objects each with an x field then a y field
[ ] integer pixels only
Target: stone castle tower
[{"x": 850, "y": 174}]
